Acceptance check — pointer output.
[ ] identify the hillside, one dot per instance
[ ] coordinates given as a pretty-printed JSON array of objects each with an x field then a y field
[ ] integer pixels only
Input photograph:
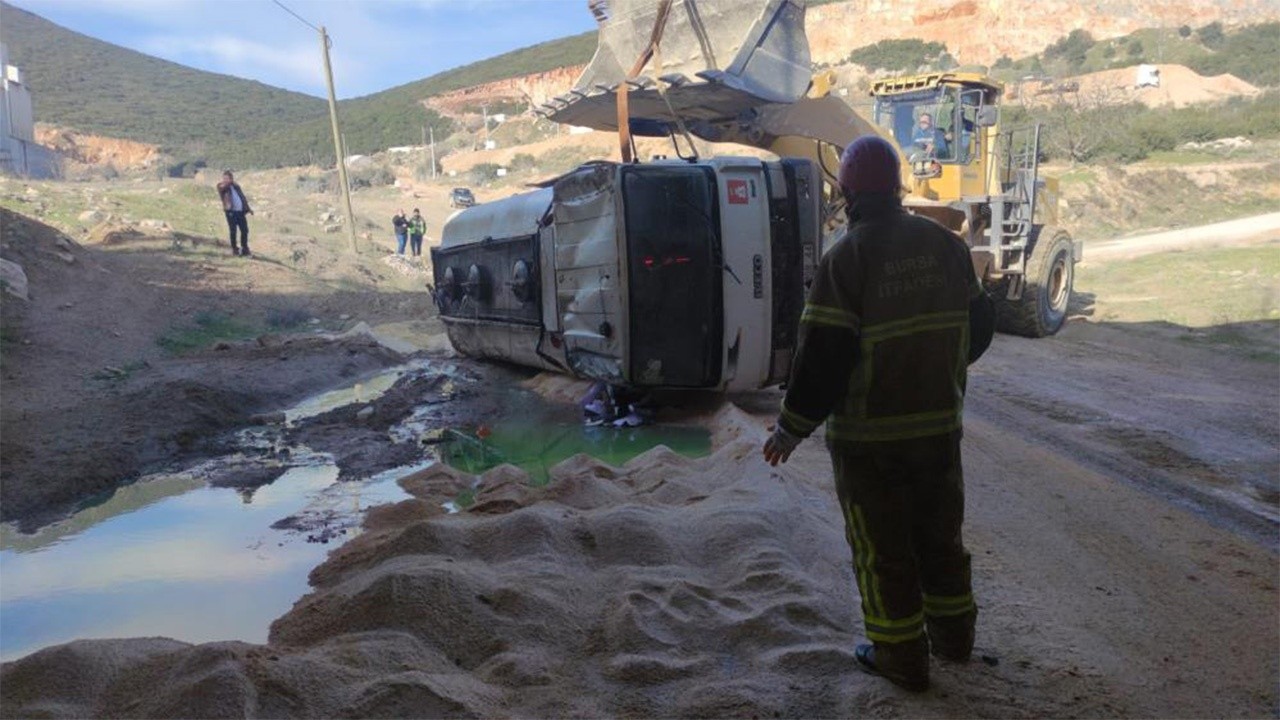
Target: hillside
[
  {"x": 186, "y": 113},
  {"x": 396, "y": 116},
  {"x": 95, "y": 86}
]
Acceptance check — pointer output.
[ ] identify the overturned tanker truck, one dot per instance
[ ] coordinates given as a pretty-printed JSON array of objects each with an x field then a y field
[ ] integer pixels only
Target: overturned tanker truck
[
  {"x": 683, "y": 273},
  {"x": 661, "y": 274}
]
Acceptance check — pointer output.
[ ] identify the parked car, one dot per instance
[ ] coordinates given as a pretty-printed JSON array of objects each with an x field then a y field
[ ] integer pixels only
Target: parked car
[{"x": 461, "y": 197}]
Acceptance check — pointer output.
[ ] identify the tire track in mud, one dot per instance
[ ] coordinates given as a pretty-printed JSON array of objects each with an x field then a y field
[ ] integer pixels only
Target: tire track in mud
[{"x": 1191, "y": 427}]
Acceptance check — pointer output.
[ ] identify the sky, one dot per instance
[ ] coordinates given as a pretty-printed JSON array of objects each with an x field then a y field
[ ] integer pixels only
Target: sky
[{"x": 377, "y": 44}]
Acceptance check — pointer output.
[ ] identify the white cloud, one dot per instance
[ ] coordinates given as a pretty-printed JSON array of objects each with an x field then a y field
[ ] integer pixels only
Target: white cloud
[
  {"x": 295, "y": 63},
  {"x": 377, "y": 44}
]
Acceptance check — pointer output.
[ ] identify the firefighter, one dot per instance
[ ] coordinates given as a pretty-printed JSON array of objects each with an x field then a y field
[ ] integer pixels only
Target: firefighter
[{"x": 894, "y": 316}]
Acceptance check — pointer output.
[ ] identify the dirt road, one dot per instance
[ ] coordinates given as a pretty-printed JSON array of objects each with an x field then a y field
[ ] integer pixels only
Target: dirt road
[
  {"x": 1194, "y": 427},
  {"x": 1257, "y": 229}
]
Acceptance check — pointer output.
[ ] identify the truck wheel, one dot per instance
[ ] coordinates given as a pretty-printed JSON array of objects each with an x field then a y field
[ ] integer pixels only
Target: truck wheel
[{"x": 1050, "y": 274}]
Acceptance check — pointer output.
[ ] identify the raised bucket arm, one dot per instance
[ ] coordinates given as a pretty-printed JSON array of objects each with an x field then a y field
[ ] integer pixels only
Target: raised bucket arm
[{"x": 716, "y": 60}]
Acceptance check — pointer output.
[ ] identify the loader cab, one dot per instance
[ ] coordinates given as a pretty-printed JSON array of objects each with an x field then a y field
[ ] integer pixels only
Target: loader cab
[{"x": 944, "y": 124}]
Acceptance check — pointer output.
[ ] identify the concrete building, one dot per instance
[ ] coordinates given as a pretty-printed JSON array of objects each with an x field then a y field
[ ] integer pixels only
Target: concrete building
[{"x": 19, "y": 153}]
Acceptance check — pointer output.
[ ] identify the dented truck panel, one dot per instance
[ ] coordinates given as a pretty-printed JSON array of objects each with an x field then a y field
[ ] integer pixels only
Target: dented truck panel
[
  {"x": 589, "y": 298},
  {"x": 665, "y": 274}
]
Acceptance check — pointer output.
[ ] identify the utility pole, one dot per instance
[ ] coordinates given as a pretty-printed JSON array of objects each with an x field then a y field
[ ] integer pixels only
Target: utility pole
[
  {"x": 485, "y": 109},
  {"x": 433, "y": 152},
  {"x": 338, "y": 149}
]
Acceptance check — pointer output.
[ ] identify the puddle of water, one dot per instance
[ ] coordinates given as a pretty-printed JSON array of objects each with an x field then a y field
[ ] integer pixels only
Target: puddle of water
[
  {"x": 364, "y": 391},
  {"x": 198, "y": 566},
  {"x": 537, "y": 438},
  {"x": 171, "y": 556}
]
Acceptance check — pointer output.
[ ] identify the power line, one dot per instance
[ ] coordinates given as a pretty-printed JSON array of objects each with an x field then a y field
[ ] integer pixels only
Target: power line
[{"x": 300, "y": 18}]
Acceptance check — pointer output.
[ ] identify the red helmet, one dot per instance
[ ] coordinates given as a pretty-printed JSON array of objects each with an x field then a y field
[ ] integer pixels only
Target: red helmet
[{"x": 870, "y": 164}]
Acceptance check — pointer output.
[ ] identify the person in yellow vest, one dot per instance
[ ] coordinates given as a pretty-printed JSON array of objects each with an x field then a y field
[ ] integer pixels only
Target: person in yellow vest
[
  {"x": 417, "y": 228},
  {"x": 894, "y": 317}
]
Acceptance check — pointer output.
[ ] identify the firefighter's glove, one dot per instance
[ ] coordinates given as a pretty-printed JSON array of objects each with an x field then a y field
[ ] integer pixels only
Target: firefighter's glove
[{"x": 779, "y": 446}]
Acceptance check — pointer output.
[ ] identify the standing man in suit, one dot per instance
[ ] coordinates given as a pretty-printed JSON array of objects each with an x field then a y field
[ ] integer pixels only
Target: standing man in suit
[{"x": 236, "y": 207}]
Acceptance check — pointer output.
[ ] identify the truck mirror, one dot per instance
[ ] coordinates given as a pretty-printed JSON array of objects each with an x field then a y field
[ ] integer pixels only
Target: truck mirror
[{"x": 988, "y": 116}]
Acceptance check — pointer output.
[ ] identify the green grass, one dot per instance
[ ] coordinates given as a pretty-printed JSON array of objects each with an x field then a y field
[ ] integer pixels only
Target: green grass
[
  {"x": 1224, "y": 297},
  {"x": 175, "y": 208},
  {"x": 1182, "y": 157},
  {"x": 206, "y": 329},
  {"x": 1104, "y": 203},
  {"x": 1075, "y": 175}
]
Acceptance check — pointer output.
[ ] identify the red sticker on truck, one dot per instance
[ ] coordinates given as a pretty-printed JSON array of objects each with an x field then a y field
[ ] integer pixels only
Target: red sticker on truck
[{"x": 737, "y": 192}]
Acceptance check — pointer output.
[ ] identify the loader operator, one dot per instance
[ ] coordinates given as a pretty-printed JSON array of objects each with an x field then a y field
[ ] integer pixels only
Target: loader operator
[{"x": 894, "y": 317}]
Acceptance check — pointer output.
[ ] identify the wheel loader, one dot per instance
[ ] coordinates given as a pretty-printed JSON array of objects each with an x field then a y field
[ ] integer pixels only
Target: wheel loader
[{"x": 690, "y": 272}]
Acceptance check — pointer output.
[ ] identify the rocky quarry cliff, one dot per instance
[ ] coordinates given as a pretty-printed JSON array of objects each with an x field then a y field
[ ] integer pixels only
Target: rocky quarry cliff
[
  {"x": 975, "y": 33},
  {"x": 980, "y": 32}
]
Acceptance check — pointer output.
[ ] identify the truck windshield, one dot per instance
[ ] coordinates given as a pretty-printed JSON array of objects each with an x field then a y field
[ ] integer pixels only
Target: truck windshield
[
  {"x": 923, "y": 122},
  {"x": 673, "y": 263}
]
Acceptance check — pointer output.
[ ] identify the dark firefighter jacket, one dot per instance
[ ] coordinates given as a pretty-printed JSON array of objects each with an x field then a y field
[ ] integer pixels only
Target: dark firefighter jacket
[{"x": 894, "y": 316}]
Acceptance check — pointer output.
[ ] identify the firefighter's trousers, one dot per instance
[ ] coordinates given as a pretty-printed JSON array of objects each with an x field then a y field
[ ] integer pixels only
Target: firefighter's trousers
[{"x": 903, "y": 505}]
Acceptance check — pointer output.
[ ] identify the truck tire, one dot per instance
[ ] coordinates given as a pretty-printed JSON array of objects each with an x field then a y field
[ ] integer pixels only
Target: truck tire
[{"x": 1050, "y": 274}]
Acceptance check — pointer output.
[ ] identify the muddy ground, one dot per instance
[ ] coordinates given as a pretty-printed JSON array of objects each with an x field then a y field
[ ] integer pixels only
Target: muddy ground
[
  {"x": 1122, "y": 497},
  {"x": 93, "y": 395}
]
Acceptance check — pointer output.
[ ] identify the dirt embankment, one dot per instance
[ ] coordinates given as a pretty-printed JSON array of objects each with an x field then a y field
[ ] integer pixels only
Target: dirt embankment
[
  {"x": 92, "y": 397},
  {"x": 523, "y": 91},
  {"x": 96, "y": 149}
]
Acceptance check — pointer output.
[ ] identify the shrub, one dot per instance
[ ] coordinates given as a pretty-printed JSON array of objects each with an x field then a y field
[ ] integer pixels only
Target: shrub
[
  {"x": 1070, "y": 51},
  {"x": 902, "y": 55},
  {"x": 523, "y": 161},
  {"x": 285, "y": 317},
  {"x": 185, "y": 169},
  {"x": 1082, "y": 133},
  {"x": 316, "y": 184},
  {"x": 1211, "y": 35},
  {"x": 422, "y": 171},
  {"x": 484, "y": 172},
  {"x": 370, "y": 177},
  {"x": 1251, "y": 53}
]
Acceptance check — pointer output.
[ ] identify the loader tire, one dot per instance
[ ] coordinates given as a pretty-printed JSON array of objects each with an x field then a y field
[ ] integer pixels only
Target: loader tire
[{"x": 1050, "y": 274}]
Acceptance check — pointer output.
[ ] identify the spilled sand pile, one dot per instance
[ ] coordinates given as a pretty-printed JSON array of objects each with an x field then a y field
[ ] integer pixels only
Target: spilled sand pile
[
  {"x": 670, "y": 586},
  {"x": 694, "y": 588}
]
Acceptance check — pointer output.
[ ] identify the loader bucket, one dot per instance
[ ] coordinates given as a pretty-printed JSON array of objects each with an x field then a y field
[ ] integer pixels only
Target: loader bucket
[{"x": 717, "y": 59}]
